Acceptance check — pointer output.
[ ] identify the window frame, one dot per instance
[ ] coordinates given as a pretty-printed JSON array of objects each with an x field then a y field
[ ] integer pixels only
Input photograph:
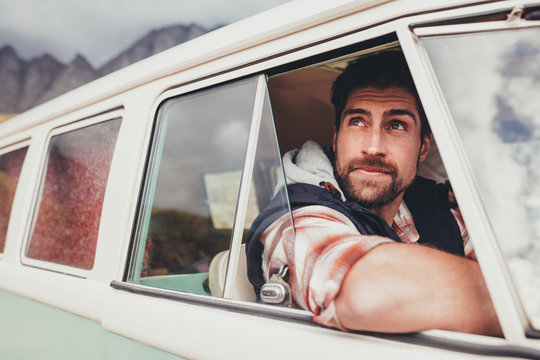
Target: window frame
[
  {"x": 503, "y": 292},
  {"x": 245, "y": 185},
  {"x": 257, "y": 103},
  {"x": 37, "y": 191}
]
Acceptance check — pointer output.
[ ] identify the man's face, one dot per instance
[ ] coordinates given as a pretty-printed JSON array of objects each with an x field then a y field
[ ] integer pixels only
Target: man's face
[{"x": 378, "y": 146}]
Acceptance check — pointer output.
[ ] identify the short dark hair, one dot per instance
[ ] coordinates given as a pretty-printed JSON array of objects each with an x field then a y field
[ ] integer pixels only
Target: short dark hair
[{"x": 381, "y": 71}]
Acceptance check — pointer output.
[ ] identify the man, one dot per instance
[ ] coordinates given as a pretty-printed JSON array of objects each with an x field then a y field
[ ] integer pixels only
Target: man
[{"x": 361, "y": 212}]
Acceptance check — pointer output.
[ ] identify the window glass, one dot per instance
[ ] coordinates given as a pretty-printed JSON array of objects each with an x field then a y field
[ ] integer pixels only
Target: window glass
[
  {"x": 267, "y": 186},
  {"x": 10, "y": 168},
  {"x": 491, "y": 82},
  {"x": 268, "y": 176},
  {"x": 189, "y": 206},
  {"x": 66, "y": 227}
]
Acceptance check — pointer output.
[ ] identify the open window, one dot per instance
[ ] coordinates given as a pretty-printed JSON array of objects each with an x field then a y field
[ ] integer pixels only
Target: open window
[
  {"x": 303, "y": 111},
  {"x": 212, "y": 146}
]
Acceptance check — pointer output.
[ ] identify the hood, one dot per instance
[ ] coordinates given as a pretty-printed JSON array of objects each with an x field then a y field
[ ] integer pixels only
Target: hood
[{"x": 309, "y": 165}]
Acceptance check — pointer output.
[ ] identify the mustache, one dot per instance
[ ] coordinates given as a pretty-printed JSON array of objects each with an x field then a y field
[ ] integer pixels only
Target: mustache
[{"x": 372, "y": 164}]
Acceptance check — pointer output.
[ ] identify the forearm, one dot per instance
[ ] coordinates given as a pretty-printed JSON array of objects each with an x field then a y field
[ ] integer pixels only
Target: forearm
[
  {"x": 326, "y": 245},
  {"x": 407, "y": 288}
]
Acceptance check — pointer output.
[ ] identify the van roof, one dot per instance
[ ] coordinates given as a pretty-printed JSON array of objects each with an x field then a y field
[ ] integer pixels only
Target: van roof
[{"x": 270, "y": 25}]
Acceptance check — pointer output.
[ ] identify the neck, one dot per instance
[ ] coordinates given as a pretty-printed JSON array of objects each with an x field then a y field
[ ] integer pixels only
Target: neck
[{"x": 389, "y": 211}]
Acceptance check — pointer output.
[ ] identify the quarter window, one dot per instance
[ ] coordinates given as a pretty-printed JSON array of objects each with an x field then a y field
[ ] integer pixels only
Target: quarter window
[
  {"x": 10, "y": 169},
  {"x": 66, "y": 225}
]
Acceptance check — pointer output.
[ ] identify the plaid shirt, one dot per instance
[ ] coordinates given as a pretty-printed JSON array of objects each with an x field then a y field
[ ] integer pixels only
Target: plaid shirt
[{"x": 326, "y": 245}]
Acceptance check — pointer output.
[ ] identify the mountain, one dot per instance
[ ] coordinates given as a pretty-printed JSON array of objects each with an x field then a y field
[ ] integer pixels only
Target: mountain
[
  {"x": 25, "y": 84},
  {"x": 12, "y": 70},
  {"x": 40, "y": 73},
  {"x": 153, "y": 43},
  {"x": 77, "y": 73}
]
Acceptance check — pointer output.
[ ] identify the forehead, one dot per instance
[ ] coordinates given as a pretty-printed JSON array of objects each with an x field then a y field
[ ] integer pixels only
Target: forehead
[{"x": 389, "y": 98}]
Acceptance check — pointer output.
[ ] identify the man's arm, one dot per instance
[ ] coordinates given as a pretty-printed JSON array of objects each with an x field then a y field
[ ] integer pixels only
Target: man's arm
[
  {"x": 406, "y": 288},
  {"x": 319, "y": 254},
  {"x": 364, "y": 282}
]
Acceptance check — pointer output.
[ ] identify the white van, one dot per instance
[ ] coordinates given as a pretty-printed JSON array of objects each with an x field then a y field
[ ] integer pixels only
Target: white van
[{"x": 124, "y": 204}]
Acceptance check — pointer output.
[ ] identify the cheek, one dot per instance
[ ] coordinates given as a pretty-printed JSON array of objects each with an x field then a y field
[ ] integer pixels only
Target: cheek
[
  {"x": 348, "y": 142},
  {"x": 407, "y": 156},
  {"x": 341, "y": 157},
  {"x": 344, "y": 150}
]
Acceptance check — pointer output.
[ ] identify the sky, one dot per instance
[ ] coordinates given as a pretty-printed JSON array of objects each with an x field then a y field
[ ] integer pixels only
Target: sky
[{"x": 100, "y": 29}]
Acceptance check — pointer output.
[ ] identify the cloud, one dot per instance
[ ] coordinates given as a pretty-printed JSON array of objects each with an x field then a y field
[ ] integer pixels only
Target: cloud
[
  {"x": 99, "y": 29},
  {"x": 490, "y": 84}
]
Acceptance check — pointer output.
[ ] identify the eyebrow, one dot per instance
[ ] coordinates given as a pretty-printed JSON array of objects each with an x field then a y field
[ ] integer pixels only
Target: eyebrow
[
  {"x": 400, "y": 112},
  {"x": 356, "y": 111},
  {"x": 390, "y": 112}
]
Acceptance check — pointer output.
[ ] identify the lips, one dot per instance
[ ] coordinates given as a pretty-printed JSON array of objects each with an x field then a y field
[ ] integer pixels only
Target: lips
[
  {"x": 372, "y": 166},
  {"x": 375, "y": 170}
]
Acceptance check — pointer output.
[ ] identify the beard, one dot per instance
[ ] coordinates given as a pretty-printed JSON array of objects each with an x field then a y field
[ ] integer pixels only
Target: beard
[{"x": 371, "y": 194}]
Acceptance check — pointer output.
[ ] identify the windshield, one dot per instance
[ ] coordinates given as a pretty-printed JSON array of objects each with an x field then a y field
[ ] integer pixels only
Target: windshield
[{"x": 491, "y": 82}]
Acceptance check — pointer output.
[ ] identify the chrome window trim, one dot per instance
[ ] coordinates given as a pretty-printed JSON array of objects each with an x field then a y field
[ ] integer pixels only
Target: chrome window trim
[{"x": 239, "y": 306}]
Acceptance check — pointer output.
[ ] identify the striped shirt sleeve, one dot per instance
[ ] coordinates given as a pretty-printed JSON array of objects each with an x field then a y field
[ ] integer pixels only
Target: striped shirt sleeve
[
  {"x": 324, "y": 247},
  {"x": 319, "y": 254}
]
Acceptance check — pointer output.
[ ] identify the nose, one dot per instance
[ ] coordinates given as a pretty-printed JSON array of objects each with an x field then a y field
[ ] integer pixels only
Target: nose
[{"x": 375, "y": 143}]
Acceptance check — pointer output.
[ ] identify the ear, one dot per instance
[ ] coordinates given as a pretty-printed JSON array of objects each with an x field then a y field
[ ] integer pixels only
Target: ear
[{"x": 424, "y": 148}]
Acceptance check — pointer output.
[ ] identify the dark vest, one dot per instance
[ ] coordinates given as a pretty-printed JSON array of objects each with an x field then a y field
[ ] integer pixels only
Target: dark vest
[{"x": 427, "y": 201}]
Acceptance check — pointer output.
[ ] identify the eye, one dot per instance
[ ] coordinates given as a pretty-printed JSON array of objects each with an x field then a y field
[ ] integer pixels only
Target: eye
[
  {"x": 398, "y": 125},
  {"x": 356, "y": 122}
]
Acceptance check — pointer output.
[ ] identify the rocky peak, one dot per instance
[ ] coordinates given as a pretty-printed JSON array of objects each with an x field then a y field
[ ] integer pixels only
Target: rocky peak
[
  {"x": 8, "y": 52},
  {"x": 77, "y": 73},
  {"x": 12, "y": 70},
  {"x": 26, "y": 84},
  {"x": 39, "y": 75},
  {"x": 152, "y": 43}
]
